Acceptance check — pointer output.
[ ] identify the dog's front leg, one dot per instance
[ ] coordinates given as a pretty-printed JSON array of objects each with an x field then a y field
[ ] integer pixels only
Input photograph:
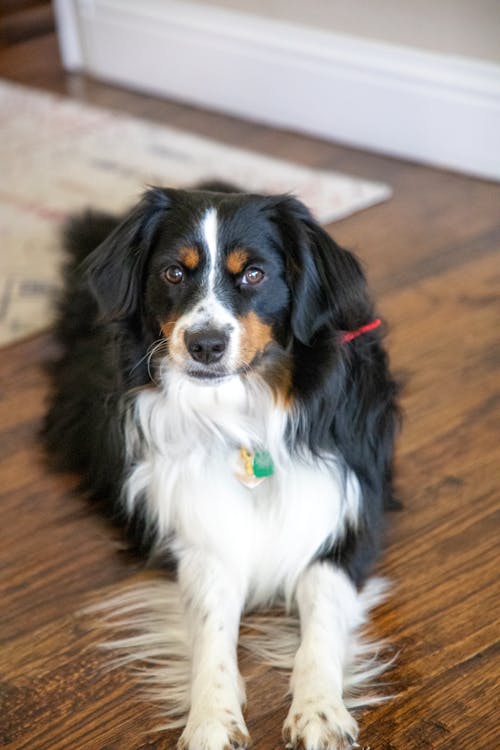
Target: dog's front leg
[
  {"x": 213, "y": 600},
  {"x": 329, "y": 610}
]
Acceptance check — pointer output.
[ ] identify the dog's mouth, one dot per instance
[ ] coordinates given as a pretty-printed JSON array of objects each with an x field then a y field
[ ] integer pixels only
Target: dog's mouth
[{"x": 209, "y": 377}]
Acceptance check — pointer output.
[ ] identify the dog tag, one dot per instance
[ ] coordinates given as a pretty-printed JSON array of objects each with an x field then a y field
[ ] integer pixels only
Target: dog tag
[
  {"x": 253, "y": 468},
  {"x": 263, "y": 464}
]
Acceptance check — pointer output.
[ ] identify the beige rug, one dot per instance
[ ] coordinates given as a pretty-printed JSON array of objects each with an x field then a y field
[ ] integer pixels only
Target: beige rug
[{"x": 58, "y": 156}]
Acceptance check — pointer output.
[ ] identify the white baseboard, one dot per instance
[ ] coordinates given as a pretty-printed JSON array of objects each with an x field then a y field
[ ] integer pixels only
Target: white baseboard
[{"x": 426, "y": 107}]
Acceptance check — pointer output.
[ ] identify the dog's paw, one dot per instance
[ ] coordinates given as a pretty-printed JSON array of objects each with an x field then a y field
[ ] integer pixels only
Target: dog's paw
[
  {"x": 215, "y": 733},
  {"x": 315, "y": 724}
]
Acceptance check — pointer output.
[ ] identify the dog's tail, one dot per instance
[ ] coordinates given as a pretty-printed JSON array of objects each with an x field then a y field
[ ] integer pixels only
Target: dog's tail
[{"x": 148, "y": 634}]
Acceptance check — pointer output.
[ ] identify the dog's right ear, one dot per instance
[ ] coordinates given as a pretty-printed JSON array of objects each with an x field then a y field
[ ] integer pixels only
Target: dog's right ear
[{"x": 114, "y": 270}]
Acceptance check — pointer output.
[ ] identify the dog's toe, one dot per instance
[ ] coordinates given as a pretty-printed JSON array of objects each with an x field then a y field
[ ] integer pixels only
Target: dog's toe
[
  {"x": 319, "y": 726},
  {"x": 214, "y": 734}
]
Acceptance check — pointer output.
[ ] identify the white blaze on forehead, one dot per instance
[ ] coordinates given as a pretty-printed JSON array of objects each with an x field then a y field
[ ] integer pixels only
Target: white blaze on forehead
[
  {"x": 209, "y": 310},
  {"x": 209, "y": 229}
]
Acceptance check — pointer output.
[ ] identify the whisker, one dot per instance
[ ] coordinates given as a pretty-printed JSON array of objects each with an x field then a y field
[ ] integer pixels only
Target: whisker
[
  {"x": 149, "y": 353},
  {"x": 155, "y": 348}
]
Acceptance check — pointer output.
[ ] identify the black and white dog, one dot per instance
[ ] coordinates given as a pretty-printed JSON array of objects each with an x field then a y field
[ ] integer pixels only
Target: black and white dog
[{"x": 223, "y": 387}]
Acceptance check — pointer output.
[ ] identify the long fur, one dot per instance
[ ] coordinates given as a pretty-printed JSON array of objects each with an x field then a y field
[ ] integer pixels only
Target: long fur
[
  {"x": 146, "y": 633},
  {"x": 203, "y": 326}
]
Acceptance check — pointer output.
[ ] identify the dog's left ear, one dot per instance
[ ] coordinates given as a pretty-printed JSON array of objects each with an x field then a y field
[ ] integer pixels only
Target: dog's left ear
[
  {"x": 328, "y": 285},
  {"x": 114, "y": 270}
]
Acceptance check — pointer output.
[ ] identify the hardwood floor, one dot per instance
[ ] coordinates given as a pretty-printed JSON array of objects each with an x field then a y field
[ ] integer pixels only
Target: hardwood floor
[
  {"x": 21, "y": 20},
  {"x": 431, "y": 254}
]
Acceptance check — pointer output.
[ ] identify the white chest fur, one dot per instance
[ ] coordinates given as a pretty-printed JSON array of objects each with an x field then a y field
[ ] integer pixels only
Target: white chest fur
[{"x": 183, "y": 440}]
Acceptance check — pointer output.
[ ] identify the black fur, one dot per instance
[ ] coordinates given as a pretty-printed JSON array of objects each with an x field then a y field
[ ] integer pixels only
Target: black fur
[
  {"x": 108, "y": 318},
  {"x": 346, "y": 392}
]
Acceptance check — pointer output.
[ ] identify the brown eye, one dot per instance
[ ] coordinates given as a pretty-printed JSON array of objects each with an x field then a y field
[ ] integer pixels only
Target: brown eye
[
  {"x": 252, "y": 275},
  {"x": 173, "y": 274}
]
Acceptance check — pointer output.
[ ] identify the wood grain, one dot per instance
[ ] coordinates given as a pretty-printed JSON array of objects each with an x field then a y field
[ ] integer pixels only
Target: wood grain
[
  {"x": 432, "y": 257},
  {"x": 21, "y": 20}
]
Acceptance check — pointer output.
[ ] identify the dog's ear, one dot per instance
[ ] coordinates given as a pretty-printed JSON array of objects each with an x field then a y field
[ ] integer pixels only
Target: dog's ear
[
  {"x": 114, "y": 270},
  {"x": 327, "y": 282}
]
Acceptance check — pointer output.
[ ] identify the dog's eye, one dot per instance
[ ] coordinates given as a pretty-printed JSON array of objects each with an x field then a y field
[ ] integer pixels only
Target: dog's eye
[
  {"x": 173, "y": 274},
  {"x": 252, "y": 275}
]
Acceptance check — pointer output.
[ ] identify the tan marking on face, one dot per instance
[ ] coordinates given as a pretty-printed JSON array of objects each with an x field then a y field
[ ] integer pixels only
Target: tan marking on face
[
  {"x": 256, "y": 335},
  {"x": 189, "y": 257},
  {"x": 236, "y": 260},
  {"x": 175, "y": 346},
  {"x": 275, "y": 367},
  {"x": 277, "y": 372},
  {"x": 167, "y": 328}
]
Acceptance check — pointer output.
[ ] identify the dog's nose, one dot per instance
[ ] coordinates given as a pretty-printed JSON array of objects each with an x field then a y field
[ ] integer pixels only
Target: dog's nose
[{"x": 207, "y": 346}]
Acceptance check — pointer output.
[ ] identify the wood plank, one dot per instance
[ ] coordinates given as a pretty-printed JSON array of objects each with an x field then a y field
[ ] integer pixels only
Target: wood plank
[{"x": 21, "y": 21}]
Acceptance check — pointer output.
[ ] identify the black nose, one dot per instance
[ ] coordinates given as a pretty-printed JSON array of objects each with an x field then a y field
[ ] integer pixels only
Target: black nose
[{"x": 207, "y": 346}]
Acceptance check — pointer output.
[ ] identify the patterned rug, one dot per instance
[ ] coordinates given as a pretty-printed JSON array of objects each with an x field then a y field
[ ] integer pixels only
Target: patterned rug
[{"x": 58, "y": 156}]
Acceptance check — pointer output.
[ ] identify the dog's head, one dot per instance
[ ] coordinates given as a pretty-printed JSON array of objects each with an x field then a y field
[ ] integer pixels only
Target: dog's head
[{"x": 232, "y": 283}]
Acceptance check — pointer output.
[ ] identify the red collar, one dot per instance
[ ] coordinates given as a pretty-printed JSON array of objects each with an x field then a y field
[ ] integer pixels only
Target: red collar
[{"x": 350, "y": 335}]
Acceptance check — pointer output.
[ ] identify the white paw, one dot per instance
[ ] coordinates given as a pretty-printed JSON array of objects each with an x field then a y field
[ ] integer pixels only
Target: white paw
[
  {"x": 319, "y": 724},
  {"x": 216, "y": 732}
]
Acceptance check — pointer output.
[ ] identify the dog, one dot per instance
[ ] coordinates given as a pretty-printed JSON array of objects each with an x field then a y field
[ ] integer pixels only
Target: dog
[{"x": 222, "y": 386}]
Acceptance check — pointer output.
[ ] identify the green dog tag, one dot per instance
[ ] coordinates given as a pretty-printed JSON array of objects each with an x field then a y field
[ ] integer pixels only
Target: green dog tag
[{"x": 263, "y": 464}]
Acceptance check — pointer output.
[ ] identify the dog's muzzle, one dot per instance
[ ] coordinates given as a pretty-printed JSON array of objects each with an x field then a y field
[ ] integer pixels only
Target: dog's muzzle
[{"x": 207, "y": 346}]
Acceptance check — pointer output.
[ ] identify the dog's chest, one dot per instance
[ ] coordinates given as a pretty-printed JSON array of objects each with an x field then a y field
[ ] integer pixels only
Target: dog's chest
[{"x": 187, "y": 474}]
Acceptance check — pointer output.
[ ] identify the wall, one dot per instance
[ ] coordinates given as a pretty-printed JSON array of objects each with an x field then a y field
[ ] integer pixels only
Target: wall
[
  {"x": 459, "y": 27},
  {"x": 407, "y": 101}
]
